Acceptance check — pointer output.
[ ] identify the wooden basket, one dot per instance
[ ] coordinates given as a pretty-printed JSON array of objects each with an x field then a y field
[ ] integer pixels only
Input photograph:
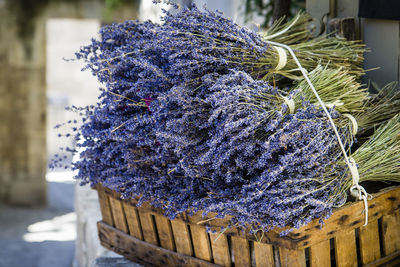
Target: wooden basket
[{"x": 144, "y": 235}]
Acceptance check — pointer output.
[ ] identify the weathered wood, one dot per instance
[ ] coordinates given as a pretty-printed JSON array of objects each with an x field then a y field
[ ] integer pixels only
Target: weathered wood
[
  {"x": 345, "y": 249},
  {"x": 105, "y": 206},
  {"x": 201, "y": 242},
  {"x": 118, "y": 215},
  {"x": 241, "y": 251},
  {"x": 143, "y": 252},
  {"x": 165, "y": 232},
  {"x": 292, "y": 257},
  {"x": 391, "y": 233},
  {"x": 220, "y": 249},
  {"x": 132, "y": 218},
  {"x": 343, "y": 27},
  {"x": 320, "y": 254},
  {"x": 182, "y": 237},
  {"x": 264, "y": 254},
  {"x": 369, "y": 242},
  {"x": 190, "y": 238},
  {"x": 348, "y": 217},
  {"x": 148, "y": 228},
  {"x": 389, "y": 261},
  {"x": 395, "y": 262}
]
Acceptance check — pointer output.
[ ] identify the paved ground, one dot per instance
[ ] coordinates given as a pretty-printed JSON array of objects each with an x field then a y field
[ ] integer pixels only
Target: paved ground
[
  {"x": 46, "y": 237},
  {"x": 43, "y": 237}
]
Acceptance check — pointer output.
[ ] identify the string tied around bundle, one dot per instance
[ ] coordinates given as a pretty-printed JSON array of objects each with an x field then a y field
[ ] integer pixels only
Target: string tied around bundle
[
  {"x": 353, "y": 122},
  {"x": 336, "y": 103},
  {"x": 282, "y": 58},
  {"x": 356, "y": 190},
  {"x": 290, "y": 103}
]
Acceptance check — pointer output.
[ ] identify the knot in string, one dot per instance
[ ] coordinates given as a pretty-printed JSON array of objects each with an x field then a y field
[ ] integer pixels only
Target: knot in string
[{"x": 357, "y": 190}]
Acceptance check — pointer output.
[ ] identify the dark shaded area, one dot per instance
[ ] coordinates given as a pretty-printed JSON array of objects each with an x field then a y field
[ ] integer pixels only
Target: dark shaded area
[
  {"x": 281, "y": 9},
  {"x": 372, "y": 9},
  {"x": 25, "y": 11},
  {"x": 272, "y": 10}
]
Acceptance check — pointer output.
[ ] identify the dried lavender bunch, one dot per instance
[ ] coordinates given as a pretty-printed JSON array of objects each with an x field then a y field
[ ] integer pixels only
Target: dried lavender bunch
[
  {"x": 203, "y": 42},
  {"x": 265, "y": 169},
  {"x": 189, "y": 44},
  {"x": 289, "y": 184},
  {"x": 197, "y": 123},
  {"x": 378, "y": 158}
]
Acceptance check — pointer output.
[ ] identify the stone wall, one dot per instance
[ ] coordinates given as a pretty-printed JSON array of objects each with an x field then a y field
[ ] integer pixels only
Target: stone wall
[
  {"x": 23, "y": 89},
  {"x": 22, "y": 110}
]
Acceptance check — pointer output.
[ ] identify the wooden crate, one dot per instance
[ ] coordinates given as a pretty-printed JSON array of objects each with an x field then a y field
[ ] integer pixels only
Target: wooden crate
[{"x": 144, "y": 235}]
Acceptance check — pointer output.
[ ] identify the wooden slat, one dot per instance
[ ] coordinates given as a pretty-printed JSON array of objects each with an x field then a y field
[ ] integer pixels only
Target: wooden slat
[
  {"x": 348, "y": 217},
  {"x": 241, "y": 251},
  {"x": 320, "y": 254},
  {"x": 132, "y": 218},
  {"x": 264, "y": 254},
  {"x": 345, "y": 249},
  {"x": 118, "y": 215},
  {"x": 369, "y": 242},
  {"x": 105, "y": 206},
  {"x": 165, "y": 232},
  {"x": 143, "y": 252},
  {"x": 292, "y": 257},
  {"x": 201, "y": 242},
  {"x": 148, "y": 228},
  {"x": 391, "y": 233},
  {"x": 182, "y": 237},
  {"x": 386, "y": 261},
  {"x": 220, "y": 249}
]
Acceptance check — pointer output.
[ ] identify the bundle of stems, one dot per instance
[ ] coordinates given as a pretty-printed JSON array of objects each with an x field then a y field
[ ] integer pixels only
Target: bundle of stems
[
  {"x": 378, "y": 159},
  {"x": 324, "y": 49},
  {"x": 292, "y": 32},
  {"x": 336, "y": 87},
  {"x": 380, "y": 107}
]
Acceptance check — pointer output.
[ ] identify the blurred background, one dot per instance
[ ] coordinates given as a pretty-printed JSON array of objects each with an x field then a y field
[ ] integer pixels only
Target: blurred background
[{"x": 45, "y": 218}]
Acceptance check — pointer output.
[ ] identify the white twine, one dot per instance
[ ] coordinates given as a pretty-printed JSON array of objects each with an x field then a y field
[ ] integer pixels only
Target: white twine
[
  {"x": 336, "y": 103},
  {"x": 354, "y": 171},
  {"x": 290, "y": 103},
  {"x": 353, "y": 121},
  {"x": 282, "y": 58},
  {"x": 356, "y": 189}
]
